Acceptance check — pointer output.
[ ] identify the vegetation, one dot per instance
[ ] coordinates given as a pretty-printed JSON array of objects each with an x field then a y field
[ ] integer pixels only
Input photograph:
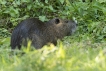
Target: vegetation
[{"x": 83, "y": 51}]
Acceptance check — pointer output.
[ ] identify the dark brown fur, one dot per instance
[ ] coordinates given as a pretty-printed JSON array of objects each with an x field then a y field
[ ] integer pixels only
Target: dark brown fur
[{"x": 41, "y": 33}]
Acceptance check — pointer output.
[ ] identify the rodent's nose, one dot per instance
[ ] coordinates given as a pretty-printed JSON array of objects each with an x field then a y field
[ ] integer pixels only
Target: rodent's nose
[{"x": 75, "y": 21}]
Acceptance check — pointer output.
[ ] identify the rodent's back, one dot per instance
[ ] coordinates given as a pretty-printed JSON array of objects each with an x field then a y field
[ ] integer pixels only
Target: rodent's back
[{"x": 23, "y": 31}]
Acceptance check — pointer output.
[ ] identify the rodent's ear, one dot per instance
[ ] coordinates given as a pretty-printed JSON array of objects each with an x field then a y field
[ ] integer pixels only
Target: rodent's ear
[{"x": 57, "y": 21}]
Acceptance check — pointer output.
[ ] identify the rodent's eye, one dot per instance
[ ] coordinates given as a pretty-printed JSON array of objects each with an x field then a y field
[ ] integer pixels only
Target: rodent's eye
[{"x": 66, "y": 21}]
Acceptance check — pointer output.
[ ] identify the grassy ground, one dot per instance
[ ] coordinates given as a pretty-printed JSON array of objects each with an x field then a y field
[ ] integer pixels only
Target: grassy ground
[{"x": 73, "y": 54}]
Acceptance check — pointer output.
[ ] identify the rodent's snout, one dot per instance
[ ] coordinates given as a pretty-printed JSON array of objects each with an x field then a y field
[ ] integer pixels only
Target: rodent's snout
[
  {"x": 73, "y": 26},
  {"x": 75, "y": 21}
]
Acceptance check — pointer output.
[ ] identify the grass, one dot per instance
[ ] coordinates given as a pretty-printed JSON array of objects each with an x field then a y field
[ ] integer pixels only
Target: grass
[
  {"x": 73, "y": 54},
  {"x": 85, "y": 51}
]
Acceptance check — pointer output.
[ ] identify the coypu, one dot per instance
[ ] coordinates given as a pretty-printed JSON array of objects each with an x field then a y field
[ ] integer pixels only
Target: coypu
[{"x": 41, "y": 33}]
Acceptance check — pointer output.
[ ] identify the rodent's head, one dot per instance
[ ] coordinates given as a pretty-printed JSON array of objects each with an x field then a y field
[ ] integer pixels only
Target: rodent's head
[{"x": 67, "y": 27}]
